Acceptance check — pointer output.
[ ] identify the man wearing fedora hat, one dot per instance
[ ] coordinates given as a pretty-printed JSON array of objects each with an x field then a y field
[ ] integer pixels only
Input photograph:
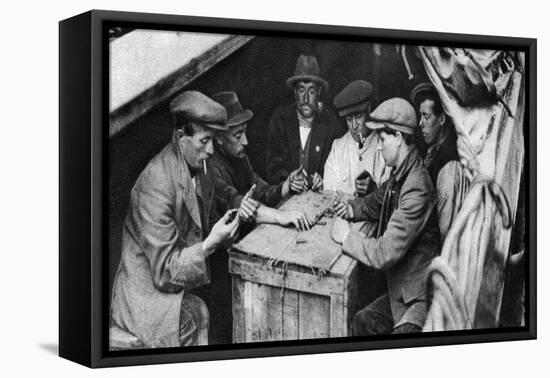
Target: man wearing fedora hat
[
  {"x": 407, "y": 237},
  {"x": 234, "y": 175},
  {"x": 170, "y": 231},
  {"x": 441, "y": 159},
  {"x": 356, "y": 154},
  {"x": 231, "y": 166},
  {"x": 301, "y": 134}
]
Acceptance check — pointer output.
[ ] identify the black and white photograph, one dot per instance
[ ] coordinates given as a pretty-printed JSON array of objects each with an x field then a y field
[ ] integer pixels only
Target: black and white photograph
[{"x": 269, "y": 189}]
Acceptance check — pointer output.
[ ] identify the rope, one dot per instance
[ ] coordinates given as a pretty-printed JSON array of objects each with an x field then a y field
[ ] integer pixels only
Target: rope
[{"x": 456, "y": 276}]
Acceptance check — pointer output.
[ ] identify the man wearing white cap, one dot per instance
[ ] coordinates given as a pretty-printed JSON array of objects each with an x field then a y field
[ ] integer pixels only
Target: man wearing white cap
[
  {"x": 407, "y": 235},
  {"x": 355, "y": 163},
  {"x": 169, "y": 233}
]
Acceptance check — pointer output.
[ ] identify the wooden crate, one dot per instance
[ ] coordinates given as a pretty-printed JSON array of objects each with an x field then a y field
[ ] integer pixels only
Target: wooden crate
[
  {"x": 283, "y": 290},
  {"x": 291, "y": 303}
]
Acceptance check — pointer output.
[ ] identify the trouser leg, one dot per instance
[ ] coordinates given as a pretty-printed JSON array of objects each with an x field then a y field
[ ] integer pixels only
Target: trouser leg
[
  {"x": 375, "y": 319},
  {"x": 193, "y": 327}
]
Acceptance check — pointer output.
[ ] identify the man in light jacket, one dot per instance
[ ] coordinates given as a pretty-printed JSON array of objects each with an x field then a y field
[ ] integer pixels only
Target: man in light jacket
[
  {"x": 168, "y": 234},
  {"x": 355, "y": 162}
]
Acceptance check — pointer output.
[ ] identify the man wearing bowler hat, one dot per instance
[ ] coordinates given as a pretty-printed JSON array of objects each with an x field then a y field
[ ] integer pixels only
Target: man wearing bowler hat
[
  {"x": 355, "y": 163},
  {"x": 407, "y": 236},
  {"x": 169, "y": 233},
  {"x": 301, "y": 134}
]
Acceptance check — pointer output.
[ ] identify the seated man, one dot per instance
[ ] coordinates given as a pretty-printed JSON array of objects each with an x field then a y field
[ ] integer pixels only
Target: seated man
[
  {"x": 231, "y": 167},
  {"x": 167, "y": 238},
  {"x": 356, "y": 154},
  {"x": 301, "y": 134},
  {"x": 234, "y": 177},
  {"x": 442, "y": 159},
  {"x": 407, "y": 238}
]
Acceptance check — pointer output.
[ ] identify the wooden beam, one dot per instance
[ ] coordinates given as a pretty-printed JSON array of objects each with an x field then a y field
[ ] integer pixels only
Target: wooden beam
[{"x": 125, "y": 114}]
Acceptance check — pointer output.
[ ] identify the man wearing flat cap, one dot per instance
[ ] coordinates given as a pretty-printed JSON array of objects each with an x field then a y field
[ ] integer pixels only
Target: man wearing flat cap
[
  {"x": 301, "y": 134},
  {"x": 355, "y": 163},
  {"x": 170, "y": 232},
  {"x": 441, "y": 159},
  {"x": 407, "y": 236}
]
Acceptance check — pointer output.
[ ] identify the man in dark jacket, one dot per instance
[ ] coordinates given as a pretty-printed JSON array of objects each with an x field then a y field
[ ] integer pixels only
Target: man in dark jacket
[
  {"x": 231, "y": 167},
  {"x": 301, "y": 134},
  {"x": 406, "y": 239},
  {"x": 441, "y": 159}
]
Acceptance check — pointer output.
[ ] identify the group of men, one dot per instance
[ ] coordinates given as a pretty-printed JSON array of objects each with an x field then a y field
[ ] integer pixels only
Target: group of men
[{"x": 200, "y": 192}]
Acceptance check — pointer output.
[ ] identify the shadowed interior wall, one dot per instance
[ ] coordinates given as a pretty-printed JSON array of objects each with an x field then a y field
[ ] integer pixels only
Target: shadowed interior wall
[{"x": 258, "y": 73}]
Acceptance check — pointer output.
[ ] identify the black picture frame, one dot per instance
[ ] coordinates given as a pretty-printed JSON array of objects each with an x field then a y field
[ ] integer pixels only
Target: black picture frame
[{"x": 83, "y": 140}]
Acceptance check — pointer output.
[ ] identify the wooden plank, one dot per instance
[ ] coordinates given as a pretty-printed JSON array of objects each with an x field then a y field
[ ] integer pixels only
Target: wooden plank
[
  {"x": 274, "y": 314},
  {"x": 248, "y": 305},
  {"x": 314, "y": 316},
  {"x": 163, "y": 89},
  {"x": 239, "y": 329},
  {"x": 339, "y": 326},
  {"x": 259, "y": 312},
  {"x": 290, "y": 315},
  {"x": 259, "y": 272}
]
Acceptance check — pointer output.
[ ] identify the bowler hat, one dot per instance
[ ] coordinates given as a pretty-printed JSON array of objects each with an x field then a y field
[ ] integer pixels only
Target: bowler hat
[
  {"x": 421, "y": 89},
  {"x": 193, "y": 106},
  {"x": 396, "y": 114},
  {"x": 307, "y": 69},
  {"x": 355, "y": 97},
  {"x": 236, "y": 115}
]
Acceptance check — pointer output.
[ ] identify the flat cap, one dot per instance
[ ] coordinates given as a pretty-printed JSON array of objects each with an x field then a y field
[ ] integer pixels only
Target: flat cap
[
  {"x": 194, "y": 106},
  {"x": 396, "y": 113},
  {"x": 421, "y": 89},
  {"x": 355, "y": 97}
]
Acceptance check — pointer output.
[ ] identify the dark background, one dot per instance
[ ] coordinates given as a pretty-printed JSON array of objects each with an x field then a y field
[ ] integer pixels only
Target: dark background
[{"x": 258, "y": 73}]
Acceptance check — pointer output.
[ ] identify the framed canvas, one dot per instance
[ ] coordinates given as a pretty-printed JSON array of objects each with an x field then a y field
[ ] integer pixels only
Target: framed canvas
[{"x": 234, "y": 188}]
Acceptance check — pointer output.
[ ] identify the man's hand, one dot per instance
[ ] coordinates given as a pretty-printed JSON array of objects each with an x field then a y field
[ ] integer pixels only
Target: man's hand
[
  {"x": 223, "y": 233},
  {"x": 248, "y": 209},
  {"x": 343, "y": 210},
  {"x": 298, "y": 219},
  {"x": 317, "y": 184},
  {"x": 340, "y": 229},
  {"x": 362, "y": 183},
  {"x": 297, "y": 180}
]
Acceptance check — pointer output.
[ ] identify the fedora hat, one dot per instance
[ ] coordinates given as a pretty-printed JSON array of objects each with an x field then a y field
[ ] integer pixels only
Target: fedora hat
[
  {"x": 236, "y": 114},
  {"x": 307, "y": 69}
]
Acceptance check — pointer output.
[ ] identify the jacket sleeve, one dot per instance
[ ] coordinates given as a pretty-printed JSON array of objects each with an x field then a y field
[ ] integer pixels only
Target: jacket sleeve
[
  {"x": 265, "y": 193},
  {"x": 404, "y": 226},
  {"x": 175, "y": 264},
  {"x": 331, "y": 178},
  {"x": 275, "y": 161},
  {"x": 368, "y": 208},
  {"x": 451, "y": 186},
  {"x": 226, "y": 196}
]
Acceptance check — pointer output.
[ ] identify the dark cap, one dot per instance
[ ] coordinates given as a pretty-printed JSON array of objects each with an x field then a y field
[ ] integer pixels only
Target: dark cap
[
  {"x": 193, "y": 106},
  {"x": 355, "y": 97},
  {"x": 421, "y": 89},
  {"x": 236, "y": 114},
  {"x": 307, "y": 69},
  {"x": 396, "y": 114}
]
